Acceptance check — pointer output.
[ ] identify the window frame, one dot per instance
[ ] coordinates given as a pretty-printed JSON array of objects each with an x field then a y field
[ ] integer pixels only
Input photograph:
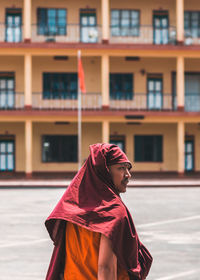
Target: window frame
[
  {"x": 119, "y": 138},
  {"x": 130, "y": 95},
  {"x": 137, "y": 27},
  {"x": 46, "y": 26},
  {"x": 74, "y": 138},
  {"x": 190, "y": 28},
  {"x": 141, "y": 140},
  {"x": 65, "y": 77},
  {"x": 9, "y": 138}
]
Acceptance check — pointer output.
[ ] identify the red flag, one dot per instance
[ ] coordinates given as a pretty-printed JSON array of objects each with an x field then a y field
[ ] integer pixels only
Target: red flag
[{"x": 81, "y": 75}]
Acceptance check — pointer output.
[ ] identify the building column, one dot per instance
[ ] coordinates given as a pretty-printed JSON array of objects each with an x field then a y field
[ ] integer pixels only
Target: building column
[
  {"x": 180, "y": 83},
  {"x": 28, "y": 81},
  {"x": 181, "y": 147},
  {"x": 27, "y": 20},
  {"x": 105, "y": 132},
  {"x": 28, "y": 148},
  {"x": 180, "y": 20},
  {"x": 105, "y": 81},
  {"x": 105, "y": 19}
]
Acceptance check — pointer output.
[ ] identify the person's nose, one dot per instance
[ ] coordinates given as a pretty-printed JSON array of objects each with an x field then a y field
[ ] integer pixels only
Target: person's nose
[{"x": 127, "y": 174}]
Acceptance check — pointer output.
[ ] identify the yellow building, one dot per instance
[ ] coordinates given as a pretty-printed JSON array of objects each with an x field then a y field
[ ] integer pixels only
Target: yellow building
[{"x": 142, "y": 74}]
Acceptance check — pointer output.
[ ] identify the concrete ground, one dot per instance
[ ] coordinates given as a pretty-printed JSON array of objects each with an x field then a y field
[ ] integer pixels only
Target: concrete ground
[{"x": 167, "y": 220}]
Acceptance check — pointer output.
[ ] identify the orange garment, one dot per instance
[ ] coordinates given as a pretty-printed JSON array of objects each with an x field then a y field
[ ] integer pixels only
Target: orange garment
[{"x": 82, "y": 248}]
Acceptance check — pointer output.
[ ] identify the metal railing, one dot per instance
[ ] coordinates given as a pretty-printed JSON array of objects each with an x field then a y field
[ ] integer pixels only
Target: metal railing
[
  {"x": 11, "y": 33},
  {"x": 143, "y": 101},
  {"x": 192, "y": 102},
  {"x": 143, "y": 34},
  {"x": 89, "y": 101},
  {"x": 68, "y": 33},
  {"x": 11, "y": 100}
]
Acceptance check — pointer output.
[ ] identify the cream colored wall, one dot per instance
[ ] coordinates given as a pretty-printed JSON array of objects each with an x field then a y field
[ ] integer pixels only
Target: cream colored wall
[
  {"x": 16, "y": 129},
  {"x": 146, "y": 9},
  {"x": 91, "y": 133},
  {"x": 192, "y": 65},
  {"x": 16, "y": 65},
  {"x": 192, "y": 5},
  {"x": 48, "y": 64},
  {"x": 169, "y": 144},
  {"x": 150, "y": 65},
  {"x": 194, "y": 130},
  {"x": 73, "y": 8}
]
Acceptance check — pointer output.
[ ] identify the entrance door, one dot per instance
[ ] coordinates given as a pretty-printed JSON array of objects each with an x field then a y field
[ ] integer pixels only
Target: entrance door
[
  {"x": 189, "y": 155},
  {"x": 7, "y": 157},
  {"x": 7, "y": 92},
  {"x": 13, "y": 25},
  {"x": 160, "y": 28},
  {"x": 154, "y": 93},
  {"x": 88, "y": 27}
]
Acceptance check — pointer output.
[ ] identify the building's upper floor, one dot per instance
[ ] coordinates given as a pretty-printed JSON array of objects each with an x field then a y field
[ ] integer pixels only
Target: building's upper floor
[{"x": 156, "y": 22}]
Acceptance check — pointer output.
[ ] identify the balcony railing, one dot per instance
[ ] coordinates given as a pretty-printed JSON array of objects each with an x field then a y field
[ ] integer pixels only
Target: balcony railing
[
  {"x": 143, "y": 101},
  {"x": 68, "y": 33},
  {"x": 11, "y": 33},
  {"x": 143, "y": 34},
  {"x": 11, "y": 100},
  {"x": 192, "y": 102},
  {"x": 89, "y": 101}
]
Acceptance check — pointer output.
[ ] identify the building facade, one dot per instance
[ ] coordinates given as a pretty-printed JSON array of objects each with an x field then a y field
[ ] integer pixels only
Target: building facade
[{"x": 142, "y": 74}]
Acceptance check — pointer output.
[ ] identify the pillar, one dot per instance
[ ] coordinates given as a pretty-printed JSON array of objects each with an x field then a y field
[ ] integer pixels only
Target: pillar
[
  {"x": 105, "y": 19},
  {"x": 105, "y": 132},
  {"x": 105, "y": 81},
  {"x": 181, "y": 147},
  {"x": 28, "y": 148},
  {"x": 27, "y": 20},
  {"x": 180, "y": 20},
  {"x": 28, "y": 81},
  {"x": 180, "y": 83}
]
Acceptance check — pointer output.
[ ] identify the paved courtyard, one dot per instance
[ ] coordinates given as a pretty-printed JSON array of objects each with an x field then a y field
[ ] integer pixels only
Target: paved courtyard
[{"x": 167, "y": 219}]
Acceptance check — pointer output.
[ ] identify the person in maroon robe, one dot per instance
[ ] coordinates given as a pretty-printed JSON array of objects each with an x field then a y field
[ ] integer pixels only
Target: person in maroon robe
[{"x": 93, "y": 201}]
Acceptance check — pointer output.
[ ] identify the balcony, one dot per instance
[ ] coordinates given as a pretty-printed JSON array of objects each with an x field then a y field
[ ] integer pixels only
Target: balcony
[
  {"x": 143, "y": 34},
  {"x": 91, "y": 101},
  {"x": 143, "y": 102},
  {"x": 69, "y": 33},
  {"x": 11, "y": 33},
  {"x": 11, "y": 100}
]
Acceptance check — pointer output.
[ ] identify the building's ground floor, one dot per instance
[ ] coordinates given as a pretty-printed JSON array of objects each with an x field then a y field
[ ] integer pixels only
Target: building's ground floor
[{"x": 52, "y": 147}]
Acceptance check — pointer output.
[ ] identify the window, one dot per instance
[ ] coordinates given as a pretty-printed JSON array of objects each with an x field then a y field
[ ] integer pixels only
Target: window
[
  {"x": 148, "y": 148},
  {"x": 125, "y": 23},
  {"x": 7, "y": 90},
  {"x": 192, "y": 24},
  {"x": 7, "y": 155},
  {"x": 59, "y": 148},
  {"x": 60, "y": 85},
  {"x": 121, "y": 86},
  {"x": 118, "y": 140},
  {"x": 51, "y": 21}
]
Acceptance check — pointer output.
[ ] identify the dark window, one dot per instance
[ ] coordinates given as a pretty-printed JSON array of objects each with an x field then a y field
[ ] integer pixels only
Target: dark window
[
  {"x": 7, "y": 155},
  {"x": 60, "y": 85},
  {"x": 148, "y": 148},
  {"x": 51, "y": 21},
  {"x": 59, "y": 148},
  {"x": 192, "y": 24},
  {"x": 121, "y": 86},
  {"x": 118, "y": 140},
  {"x": 7, "y": 90},
  {"x": 125, "y": 23},
  {"x": 13, "y": 25}
]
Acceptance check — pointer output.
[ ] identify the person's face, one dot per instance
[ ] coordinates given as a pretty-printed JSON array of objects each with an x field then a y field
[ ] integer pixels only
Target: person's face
[{"x": 120, "y": 174}]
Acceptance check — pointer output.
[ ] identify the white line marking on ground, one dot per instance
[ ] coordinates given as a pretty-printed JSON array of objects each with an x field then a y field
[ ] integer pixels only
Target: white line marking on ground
[
  {"x": 169, "y": 221},
  {"x": 178, "y": 275},
  {"x": 24, "y": 243}
]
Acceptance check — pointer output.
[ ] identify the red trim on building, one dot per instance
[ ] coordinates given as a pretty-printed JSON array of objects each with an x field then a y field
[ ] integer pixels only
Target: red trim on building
[
  {"x": 28, "y": 107},
  {"x": 92, "y": 113},
  {"x": 29, "y": 175},
  {"x": 180, "y": 108}
]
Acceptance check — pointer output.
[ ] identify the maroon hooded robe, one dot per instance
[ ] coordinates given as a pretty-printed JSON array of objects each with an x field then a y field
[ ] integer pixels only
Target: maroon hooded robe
[{"x": 92, "y": 201}]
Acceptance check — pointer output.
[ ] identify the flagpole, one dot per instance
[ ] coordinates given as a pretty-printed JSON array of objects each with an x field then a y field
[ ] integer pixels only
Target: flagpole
[{"x": 79, "y": 119}]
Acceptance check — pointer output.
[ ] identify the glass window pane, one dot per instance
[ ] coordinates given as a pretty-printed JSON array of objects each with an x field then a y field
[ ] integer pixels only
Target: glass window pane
[
  {"x": 10, "y": 84},
  {"x": 10, "y": 162},
  {"x": 10, "y": 147},
  {"x": 2, "y": 83},
  {"x": 150, "y": 85},
  {"x": 158, "y": 86},
  {"x": 3, "y": 162},
  {"x": 2, "y": 147}
]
